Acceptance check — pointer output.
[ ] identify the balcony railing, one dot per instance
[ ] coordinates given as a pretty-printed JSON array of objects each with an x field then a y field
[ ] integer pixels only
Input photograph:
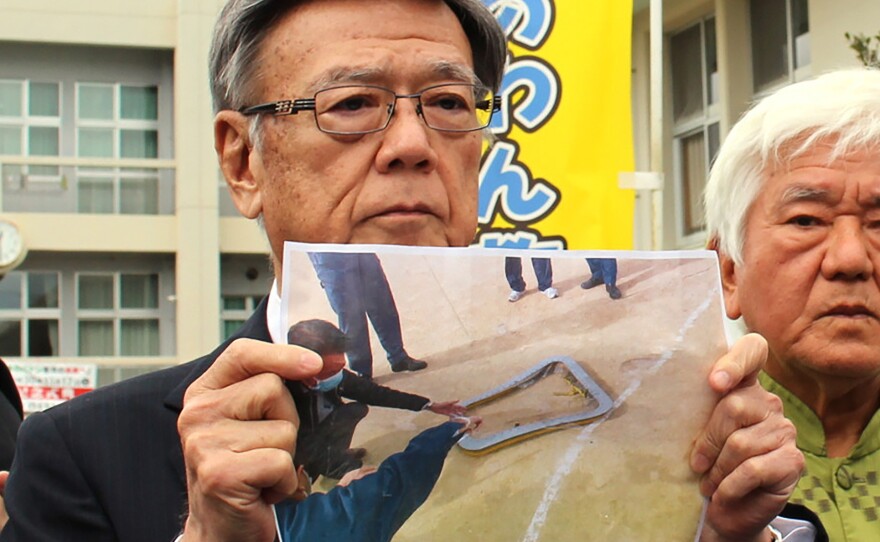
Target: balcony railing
[{"x": 54, "y": 184}]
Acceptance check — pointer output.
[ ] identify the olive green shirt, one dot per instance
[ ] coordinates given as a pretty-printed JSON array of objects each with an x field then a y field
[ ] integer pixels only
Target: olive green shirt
[{"x": 843, "y": 491}]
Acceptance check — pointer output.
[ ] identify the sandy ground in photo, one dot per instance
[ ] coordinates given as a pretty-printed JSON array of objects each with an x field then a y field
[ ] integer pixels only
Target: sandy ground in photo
[{"x": 624, "y": 477}]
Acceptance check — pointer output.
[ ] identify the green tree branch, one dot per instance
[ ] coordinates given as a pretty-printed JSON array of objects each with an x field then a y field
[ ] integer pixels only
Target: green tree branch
[{"x": 866, "y": 48}]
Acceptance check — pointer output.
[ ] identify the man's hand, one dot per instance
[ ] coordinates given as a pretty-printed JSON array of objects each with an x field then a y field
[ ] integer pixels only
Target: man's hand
[
  {"x": 356, "y": 474},
  {"x": 469, "y": 424},
  {"x": 238, "y": 431},
  {"x": 4, "y": 517},
  {"x": 448, "y": 408},
  {"x": 746, "y": 454}
]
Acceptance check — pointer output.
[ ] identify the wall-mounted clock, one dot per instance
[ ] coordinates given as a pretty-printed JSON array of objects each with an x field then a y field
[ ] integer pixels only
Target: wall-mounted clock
[{"x": 12, "y": 248}]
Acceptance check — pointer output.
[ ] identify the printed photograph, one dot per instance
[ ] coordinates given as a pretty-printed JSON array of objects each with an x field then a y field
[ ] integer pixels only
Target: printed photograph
[{"x": 498, "y": 395}]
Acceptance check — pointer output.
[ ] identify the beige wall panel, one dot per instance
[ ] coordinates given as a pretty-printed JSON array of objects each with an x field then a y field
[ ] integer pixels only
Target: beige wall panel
[
  {"x": 94, "y": 22},
  {"x": 91, "y": 233},
  {"x": 734, "y": 60},
  {"x": 198, "y": 262},
  {"x": 829, "y": 20},
  {"x": 242, "y": 236},
  {"x": 679, "y": 14}
]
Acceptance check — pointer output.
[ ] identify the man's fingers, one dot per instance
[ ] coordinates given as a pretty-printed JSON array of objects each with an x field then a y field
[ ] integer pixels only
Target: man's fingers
[
  {"x": 755, "y": 492},
  {"x": 263, "y": 396},
  {"x": 245, "y": 358},
  {"x": 742, "y": 408},
  {"x": 239, "y": 437},
  {"x": 777, "y": 433},
  {"x": 741, "y": 365},
  {"x": 252, "y": 478},
  {"x": 775, "y": 474}
]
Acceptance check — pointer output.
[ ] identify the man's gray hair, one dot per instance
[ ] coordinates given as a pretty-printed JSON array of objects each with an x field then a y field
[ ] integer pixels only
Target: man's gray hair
[
  {"x": 840, "y": 108},
  {"x": 243, "y": 24}
]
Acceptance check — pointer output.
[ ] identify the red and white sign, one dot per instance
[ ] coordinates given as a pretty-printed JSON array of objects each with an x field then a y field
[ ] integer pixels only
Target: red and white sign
[{"x": 43, "y": 385}]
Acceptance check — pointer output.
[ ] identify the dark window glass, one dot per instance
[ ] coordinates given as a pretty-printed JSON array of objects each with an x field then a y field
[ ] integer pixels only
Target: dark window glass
[
  {"x": 687, "y": 74},
  {"x": 43, "y": 290},
  {"x": 42, "y": 337},
  {"x": 769, "y": 42},
  {"x": 10, "y": 338}
]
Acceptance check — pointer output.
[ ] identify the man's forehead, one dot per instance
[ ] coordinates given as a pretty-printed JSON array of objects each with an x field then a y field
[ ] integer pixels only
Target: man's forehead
[
  {"x": 321, "y": 43},
  {"x": 819, "y": 176}
]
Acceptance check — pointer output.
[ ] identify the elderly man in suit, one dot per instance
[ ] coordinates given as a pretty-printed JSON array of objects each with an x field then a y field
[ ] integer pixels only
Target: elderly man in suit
[{"x": 344, "y": 121}]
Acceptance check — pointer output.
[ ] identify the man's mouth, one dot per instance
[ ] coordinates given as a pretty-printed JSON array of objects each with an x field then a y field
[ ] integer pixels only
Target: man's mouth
[
  {"x": 850, "y": 311},
  {"x": 406, "y": 210}
]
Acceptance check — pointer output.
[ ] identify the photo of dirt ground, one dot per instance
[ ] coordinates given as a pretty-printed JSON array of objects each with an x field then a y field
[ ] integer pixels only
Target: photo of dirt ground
[
  {"x": 622, "y": 477},
  {"x": 560, "y": 397}
]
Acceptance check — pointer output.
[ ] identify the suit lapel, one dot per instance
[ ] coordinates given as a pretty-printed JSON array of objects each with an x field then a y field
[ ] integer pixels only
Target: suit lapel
[{"x": 255, "y": 328}]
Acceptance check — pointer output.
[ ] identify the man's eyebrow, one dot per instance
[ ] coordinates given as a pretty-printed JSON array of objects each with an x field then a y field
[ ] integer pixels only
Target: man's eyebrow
[
  {"x": 345, "y": 76},
  {"x": 797, "y": 194},
  {"x": 455, "y": 71},
  {"x": 437, "y": 70}
]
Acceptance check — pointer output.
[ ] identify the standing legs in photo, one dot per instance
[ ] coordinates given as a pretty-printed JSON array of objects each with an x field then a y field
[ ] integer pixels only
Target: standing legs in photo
[
  {"x": 604, "y": 271},
  {"x": 543, "y": 272},
  {"x": 357, "y": 289}
]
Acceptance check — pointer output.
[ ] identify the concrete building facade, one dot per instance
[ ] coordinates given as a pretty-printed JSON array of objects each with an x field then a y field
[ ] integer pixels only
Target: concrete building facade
[{"x": 136, "y": 258}]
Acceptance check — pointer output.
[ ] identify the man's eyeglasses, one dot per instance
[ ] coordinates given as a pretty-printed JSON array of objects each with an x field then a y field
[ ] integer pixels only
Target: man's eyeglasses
[{"x": 363, "y": 109}]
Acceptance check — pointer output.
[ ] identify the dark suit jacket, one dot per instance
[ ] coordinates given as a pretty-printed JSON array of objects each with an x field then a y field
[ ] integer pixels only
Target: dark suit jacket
[
  {"x": 356, "y": 388},
  {"x": 107, "y": 466},
  {"x": 10, "y": 416}
]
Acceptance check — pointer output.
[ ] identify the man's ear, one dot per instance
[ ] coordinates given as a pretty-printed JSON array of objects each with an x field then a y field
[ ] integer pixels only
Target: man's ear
[
  {"x": 729, "y": 284},
  {"x": 239, "y": 161}
]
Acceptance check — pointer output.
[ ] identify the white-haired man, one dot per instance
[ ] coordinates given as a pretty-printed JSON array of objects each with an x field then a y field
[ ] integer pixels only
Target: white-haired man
[{"x": 793, "y": 205}]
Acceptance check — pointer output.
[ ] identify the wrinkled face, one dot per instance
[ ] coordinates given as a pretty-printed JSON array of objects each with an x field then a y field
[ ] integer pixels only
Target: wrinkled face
[
  {"x": 809, "y": 282},
  {"x": 408, "y": 184}
]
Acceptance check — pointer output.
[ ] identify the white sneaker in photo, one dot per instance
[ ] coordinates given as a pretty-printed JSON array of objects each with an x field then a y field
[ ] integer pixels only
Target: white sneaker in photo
[
  {"x": 514, "y": 296},
  {"x": 551, "y": 293}
]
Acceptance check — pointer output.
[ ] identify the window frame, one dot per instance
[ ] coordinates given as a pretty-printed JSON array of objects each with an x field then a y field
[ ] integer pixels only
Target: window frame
[
  {"x": 28, "y": 181},
  {"x": 795, "y": 74},
  {"x": 237, "y": 315},
  {"x": 117, "y": 314},
  {"x": 684, "y": 128},
  {"x": 116, "y": 177},
  {"x": 25, "y": 313}
]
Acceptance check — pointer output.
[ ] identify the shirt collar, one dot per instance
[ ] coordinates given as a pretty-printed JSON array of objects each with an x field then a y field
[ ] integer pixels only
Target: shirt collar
[
  {"x": 273, "y": 316},
  {"x": 276, "y": 331},
  {"x": 810, "y": 432}
]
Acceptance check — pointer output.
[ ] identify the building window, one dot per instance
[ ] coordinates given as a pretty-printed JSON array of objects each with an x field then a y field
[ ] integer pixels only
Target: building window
[
  {"x": 96, "y": 138},
  {"x": 235, "y": 310},
  {"x": 117, "y": 121},
  {"x": 780, "y": 42},
  {"x": 695, "y": 112},
  {"x": 30, "y": 124},
  {"x": 118, "y": 314},
  {"x": 29, "y": 314}
]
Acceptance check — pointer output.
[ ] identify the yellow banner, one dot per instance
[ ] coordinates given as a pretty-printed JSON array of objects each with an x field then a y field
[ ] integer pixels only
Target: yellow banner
[{"x": 564, "y": 131}]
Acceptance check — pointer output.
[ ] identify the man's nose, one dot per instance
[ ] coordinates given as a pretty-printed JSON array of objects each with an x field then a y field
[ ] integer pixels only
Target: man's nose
[
  {"x": 407, "y": 142},
  {"x": 850, "y": 254}
]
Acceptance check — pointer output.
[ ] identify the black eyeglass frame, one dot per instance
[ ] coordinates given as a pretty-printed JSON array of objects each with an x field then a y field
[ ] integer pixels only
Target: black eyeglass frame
[{"x": 292, "y": 107}]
